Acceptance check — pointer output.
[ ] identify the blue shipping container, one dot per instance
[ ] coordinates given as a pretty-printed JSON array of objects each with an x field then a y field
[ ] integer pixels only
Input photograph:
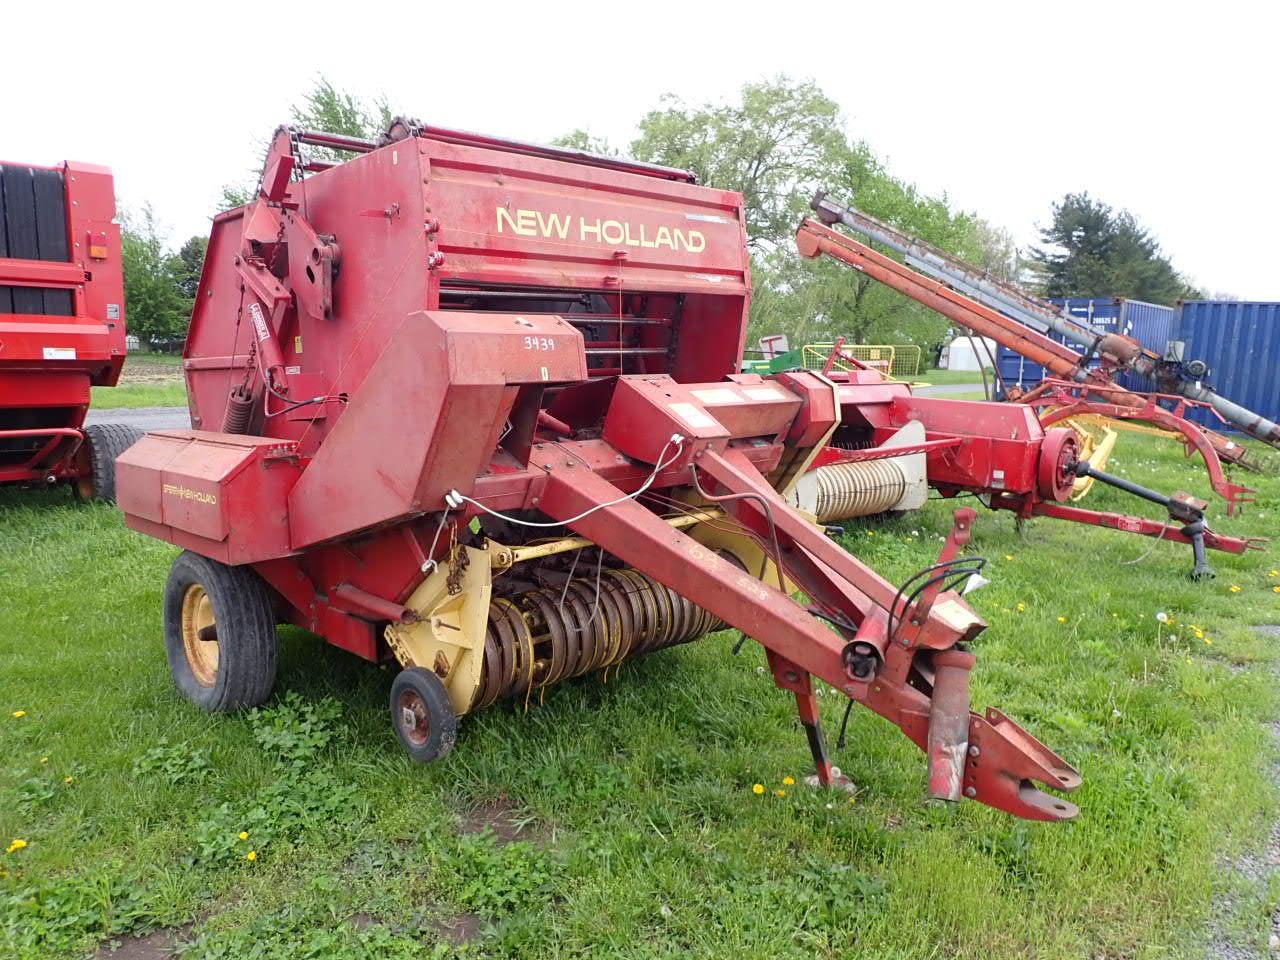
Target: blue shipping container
[
  {"x": 1240, "y": 341},
  {"x": 1148, "y": 323}
]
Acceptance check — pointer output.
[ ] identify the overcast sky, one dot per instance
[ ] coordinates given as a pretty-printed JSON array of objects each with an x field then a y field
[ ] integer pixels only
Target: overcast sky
[{"x": 1168, "y": 109}]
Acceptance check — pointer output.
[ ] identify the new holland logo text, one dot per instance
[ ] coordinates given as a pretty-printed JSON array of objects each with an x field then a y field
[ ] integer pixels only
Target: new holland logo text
[
  {"x": 617, "y": 233},
  {"x": 186, "y": 493}
]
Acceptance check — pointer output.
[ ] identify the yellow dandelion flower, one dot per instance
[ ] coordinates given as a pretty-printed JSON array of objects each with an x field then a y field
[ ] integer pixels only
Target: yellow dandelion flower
[
  {"x": 871, "y": 533},
  {"x": 1209, "y": 641},
  {"x": 1235, "y": 588},
  {"x": 244, "y": 834},
  {"x": 758, "y": 789},
  {"x": 1275, "y": 589},
  {"x": 44, "y": 759},
  {"x": 1062, "y": 619},
  {"x": 15, "y": 845},
  {"x": 779, "y": 793},
  {"x": 1022, "y": 607},
  {"x": 1274, "y": 573},
  {"x": 68, "y": 779},
  {"x": 788, "y": 781},
  {"x": 1008, "y": 556},
  {"x": 251, "y": 856},
  {"x": 1199, "y": 634},
  {"x": 19, "y": 714}
]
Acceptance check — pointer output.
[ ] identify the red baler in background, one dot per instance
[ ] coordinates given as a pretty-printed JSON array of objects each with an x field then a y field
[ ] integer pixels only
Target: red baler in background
[
  {"x": 475, "y": 405},
  {"x": 62, "y": 325}
]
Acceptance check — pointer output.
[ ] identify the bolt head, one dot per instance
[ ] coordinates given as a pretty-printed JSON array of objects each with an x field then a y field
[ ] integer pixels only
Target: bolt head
[
  {"x": 970, "y": 792},
  {"x": 974, "y": 751}
]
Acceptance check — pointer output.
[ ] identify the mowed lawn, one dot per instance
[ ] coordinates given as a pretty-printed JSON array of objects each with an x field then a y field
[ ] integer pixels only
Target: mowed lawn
[
  {"x": 618, "y": 818},
  {"x": 147, "y": 380}
]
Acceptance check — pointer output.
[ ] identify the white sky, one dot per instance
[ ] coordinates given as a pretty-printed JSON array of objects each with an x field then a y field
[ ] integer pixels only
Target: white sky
[{"x": 1169, "y": 109}]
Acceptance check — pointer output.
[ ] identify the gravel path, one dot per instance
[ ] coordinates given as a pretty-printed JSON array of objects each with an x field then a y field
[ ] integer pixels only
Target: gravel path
[
  {"x": 1256, "y": 868},
  {"x": 144, "y": 418}
]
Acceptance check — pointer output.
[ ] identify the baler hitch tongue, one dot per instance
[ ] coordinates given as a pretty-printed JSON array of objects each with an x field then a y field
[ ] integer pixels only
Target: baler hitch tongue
[{"x": 1004, "y": 764}]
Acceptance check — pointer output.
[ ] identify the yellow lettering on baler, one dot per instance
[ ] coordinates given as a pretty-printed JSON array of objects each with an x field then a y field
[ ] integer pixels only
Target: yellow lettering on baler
[
  {"x": 554, "y": 225},
  {"x": 186, "y": 493},
  {"x": 615, "y": 233}
]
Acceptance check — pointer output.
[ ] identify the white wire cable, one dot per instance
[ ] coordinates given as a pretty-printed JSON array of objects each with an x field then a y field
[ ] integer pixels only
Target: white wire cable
[{"x": 454, "y": 499}]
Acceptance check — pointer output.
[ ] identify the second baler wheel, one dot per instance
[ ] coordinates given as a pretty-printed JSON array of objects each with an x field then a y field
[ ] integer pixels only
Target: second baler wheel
[
  {"x": 422, "y": 715},
  {"x": 103, "y": 443},
  {"x": 219, "y": 633}
]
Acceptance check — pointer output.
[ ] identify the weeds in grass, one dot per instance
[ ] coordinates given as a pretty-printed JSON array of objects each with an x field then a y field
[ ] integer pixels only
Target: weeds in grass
[
  {"x": 495, "y": 879},
  {"x": 174, "y": 764},
  {"x": 652, "y": 841}
]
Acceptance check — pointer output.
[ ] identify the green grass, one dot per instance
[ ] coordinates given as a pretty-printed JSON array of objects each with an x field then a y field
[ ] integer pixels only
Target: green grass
[
  {"x": 147, "y": 380},
  {"x": 170, "y": 394},
  {"x": 940, "y": 377},
  {"x": 645, "y": 838}
]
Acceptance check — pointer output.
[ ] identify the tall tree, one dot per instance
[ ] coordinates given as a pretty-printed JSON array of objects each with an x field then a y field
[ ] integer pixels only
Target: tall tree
[
  {"x": 157, "y": 306},
  {"x": 191, "y": 254},
  {"x": 331, "y": 110},
  {"x": 585, "y": 141},
  {"x": 1092, "y": 250},
  {"x": 324, "y": 107},
  {"x": 780, "y": 143}
]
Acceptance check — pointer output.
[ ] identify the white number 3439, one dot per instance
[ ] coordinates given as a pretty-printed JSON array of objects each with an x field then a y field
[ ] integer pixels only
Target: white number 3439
[{"x": 539, "y": 343}]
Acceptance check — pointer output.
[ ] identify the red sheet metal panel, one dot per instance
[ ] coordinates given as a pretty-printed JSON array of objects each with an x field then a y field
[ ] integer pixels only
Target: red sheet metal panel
[{"x": 199, "y": 486}]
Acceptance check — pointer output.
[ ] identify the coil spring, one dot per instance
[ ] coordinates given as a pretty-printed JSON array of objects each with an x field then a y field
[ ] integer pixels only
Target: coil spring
[
  {"x": 533, "y": 640},
  {"x": 239, "y": 410},
  {"x": 858, "y": 489}
]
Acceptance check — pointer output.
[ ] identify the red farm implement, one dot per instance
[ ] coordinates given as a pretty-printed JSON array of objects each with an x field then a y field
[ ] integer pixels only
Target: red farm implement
[
  {"x": 1013, "y": 455},
  {"x": 474, "y": 405},
  {"x": 62, "y": 325}
]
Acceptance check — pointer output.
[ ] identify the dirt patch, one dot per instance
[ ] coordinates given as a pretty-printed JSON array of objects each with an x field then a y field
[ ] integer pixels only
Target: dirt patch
[
  {"x": 507, "y": 822},
  {"x": 459, "y": 929},
  {"x": 1255, "y": 869},
  {"x": 148, "y": 369},
  {"x": 157, "y": 945}
]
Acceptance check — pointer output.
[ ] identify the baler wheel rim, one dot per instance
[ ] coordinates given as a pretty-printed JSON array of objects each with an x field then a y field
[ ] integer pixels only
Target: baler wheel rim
[
  {"x": 202, "y": 650},
  {"x": 422, "y": 714},
  {"x": 234, "y": 610},
  {"x": 412, "y": 704}
]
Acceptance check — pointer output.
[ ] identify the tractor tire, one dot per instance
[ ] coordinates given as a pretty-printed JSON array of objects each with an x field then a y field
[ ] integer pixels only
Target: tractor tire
[
  {"x": 219, "y": 633},
  {"x": 422, "y": 714},
  {"x": 103, "y": 443}
]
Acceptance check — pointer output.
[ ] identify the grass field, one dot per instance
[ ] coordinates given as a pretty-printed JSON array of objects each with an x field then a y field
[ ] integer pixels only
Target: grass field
[
  {"x": 155, "y": 380},
  {"x": 618, "y": 819},
  {"x": 147, "y": 380},
  {"x": 941, "y": 377}
]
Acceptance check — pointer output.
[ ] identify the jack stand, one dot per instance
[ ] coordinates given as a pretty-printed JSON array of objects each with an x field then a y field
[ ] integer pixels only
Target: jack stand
[{"x": 788, "y": 676}]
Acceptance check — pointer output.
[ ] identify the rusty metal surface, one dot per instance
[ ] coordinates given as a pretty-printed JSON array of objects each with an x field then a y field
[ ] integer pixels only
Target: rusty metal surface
[{"x": 510, "y": 348}]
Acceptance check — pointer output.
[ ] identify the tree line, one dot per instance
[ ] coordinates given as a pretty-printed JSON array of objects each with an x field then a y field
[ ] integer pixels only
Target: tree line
[{"x": 777, "y": 143}]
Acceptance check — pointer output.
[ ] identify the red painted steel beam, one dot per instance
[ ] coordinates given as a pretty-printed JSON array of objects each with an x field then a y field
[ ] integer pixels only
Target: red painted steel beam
[
  {"x": 1008, "y": 758},
  {"x": 1160, "y": 530},
  {"x": 39, "y": 273},
  {"x": 814, "y": 238}
]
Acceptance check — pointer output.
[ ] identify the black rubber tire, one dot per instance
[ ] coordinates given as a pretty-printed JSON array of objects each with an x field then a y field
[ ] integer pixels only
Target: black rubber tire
[
  {"x": 103, "y": 443},
  {"x": 435, "y": 713},
  {"x": 246, "y": 632}
]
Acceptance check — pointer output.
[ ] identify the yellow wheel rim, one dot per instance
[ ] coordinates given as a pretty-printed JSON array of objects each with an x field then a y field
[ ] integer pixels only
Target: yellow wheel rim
[{"x": 199, "y": 635}]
